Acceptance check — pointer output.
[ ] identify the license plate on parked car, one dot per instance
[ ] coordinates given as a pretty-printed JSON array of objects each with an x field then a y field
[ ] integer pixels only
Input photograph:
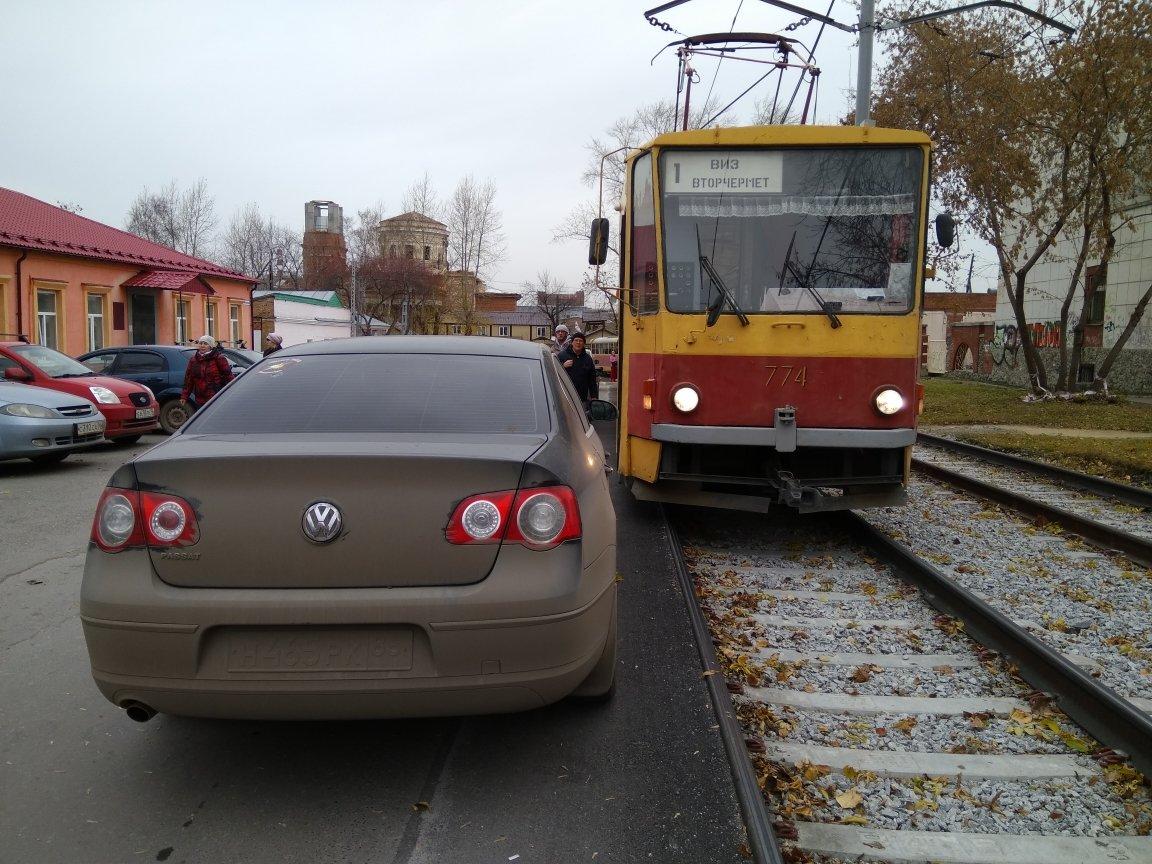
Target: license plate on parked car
[
  {"x": 145, "y": 413},
  {"x": 321, "y": 651},
  {"x": 89, "y": 428}
]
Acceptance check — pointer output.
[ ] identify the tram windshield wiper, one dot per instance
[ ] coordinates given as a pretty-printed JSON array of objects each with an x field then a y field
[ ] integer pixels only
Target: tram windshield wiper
[
  {"x": 804, "y": 281},
  {"x": 724, "y": 295}
]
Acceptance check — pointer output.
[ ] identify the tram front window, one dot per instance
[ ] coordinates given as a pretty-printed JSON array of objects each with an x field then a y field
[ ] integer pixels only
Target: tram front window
[{"x": 787, "y": 226}]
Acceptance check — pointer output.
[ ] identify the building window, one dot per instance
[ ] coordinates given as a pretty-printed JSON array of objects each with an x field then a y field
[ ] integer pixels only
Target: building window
[
  {"x": 1094, "y": 284},
  {"x": 210, "y": 319},
  {"x": 392, "y": 251},
  {"x": 95, "y": 321},
  {"x": 1086, "y": 374},
  {"x": 427, "y": 253},
  {"x": 409, "y": 250},
  {"x": 541, "y": 332},
  {"x": 48, "y": 318},
  {"x": 234, "y": 322},
  {"x": 455, "y": 329},
  {"x": 321, "y": 221},
  {"x": 181, "y": 321},
  {"x": 505, "y": 330}
]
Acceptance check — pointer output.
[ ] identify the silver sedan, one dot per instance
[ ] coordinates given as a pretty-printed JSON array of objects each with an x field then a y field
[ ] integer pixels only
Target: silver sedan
[{"x": 45, "y": 425}]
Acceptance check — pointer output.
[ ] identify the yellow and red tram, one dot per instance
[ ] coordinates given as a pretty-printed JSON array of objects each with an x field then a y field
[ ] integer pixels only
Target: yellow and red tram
[{"x": 770, "y": 316}]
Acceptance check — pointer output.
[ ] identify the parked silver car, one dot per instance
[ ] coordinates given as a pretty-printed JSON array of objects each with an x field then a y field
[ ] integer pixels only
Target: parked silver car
[{"x": 45, "y": 425}]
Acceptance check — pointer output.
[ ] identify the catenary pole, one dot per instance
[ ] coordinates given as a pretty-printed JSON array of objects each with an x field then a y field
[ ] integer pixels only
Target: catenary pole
[{"x": 867, "y": 34}]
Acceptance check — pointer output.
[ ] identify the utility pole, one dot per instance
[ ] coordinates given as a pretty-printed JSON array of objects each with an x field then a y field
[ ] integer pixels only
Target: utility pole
[{"x": 867, "y": 34}]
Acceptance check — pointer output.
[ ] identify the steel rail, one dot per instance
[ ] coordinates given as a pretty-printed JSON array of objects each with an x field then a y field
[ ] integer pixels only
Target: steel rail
[
  {"x": 1077, "y": 480},
  {"x": 1098, "y": 533},
  {"x": 1111, "y": 719},
  {"x": 762, "y": 840}
]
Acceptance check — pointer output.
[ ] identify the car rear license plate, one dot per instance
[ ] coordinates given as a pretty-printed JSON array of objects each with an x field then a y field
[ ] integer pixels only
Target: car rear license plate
[
  {"x": 90, "y": 428},
  {"x": 321, "y": 651},
  {"x": 145, "y": 413}
]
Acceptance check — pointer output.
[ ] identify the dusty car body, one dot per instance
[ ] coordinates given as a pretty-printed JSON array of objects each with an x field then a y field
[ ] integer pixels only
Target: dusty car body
[
  {"x": 370, "y": 527},
  {"x": 45, "y": 425}
]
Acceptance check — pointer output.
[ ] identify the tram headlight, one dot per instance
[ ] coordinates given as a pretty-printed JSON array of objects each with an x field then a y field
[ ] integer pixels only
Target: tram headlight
[
  {"x": 889, "y": 401},
  {"x": 685, "y": 399}
]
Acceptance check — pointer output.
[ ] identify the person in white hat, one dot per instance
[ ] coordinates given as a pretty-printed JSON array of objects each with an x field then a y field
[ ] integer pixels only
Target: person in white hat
[
  {"x": 208, "y": 372},
  {"x": 559, "y": 339},
  {"x": 273, "y": 342}
]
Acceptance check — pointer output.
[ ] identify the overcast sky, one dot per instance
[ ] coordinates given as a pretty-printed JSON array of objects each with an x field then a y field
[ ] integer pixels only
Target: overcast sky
[{"x": 282, "y": 102}]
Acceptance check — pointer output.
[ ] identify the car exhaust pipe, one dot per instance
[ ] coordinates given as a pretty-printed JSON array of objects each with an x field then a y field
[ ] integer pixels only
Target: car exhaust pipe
[{"x": 138, "y": 711}]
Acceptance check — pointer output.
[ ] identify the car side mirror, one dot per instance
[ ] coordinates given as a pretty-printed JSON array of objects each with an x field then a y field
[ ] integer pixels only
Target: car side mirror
[
  {"x": 598, "y": 242},
  {"x": 945, "y": 229},
  {"x": 15, "y": 373},
  {"x": 599, "y": 409}
]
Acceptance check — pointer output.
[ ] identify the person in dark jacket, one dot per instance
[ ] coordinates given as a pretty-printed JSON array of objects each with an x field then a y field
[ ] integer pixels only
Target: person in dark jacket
[
  {"x": 581, "y": 368},
  {"x": 274, "y": 342},
  {"x": 208, "y": 372}
]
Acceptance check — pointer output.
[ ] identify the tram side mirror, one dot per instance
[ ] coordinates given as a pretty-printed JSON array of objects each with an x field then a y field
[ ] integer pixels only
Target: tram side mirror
[
  {"x": 945, "y": 229},
  {"x": 598, "y": 242},
  {"x": 598, "y": 409}
]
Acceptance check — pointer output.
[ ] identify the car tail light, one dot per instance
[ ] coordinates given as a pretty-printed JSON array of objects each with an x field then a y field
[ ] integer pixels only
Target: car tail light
[
  {"x": 126, "y": 519},
  {"x": 539, "y": 518}
]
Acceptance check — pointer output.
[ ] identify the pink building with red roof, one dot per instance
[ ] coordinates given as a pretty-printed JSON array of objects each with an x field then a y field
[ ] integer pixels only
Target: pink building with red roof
[{"x": 78, "y": 285}]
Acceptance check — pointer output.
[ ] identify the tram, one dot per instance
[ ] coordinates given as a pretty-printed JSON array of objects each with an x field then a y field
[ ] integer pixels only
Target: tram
[{"x": 771, "y": 283}]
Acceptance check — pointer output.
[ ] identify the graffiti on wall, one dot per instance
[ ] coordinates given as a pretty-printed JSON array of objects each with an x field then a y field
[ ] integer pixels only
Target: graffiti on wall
[{"x": 1006, "y": 342}]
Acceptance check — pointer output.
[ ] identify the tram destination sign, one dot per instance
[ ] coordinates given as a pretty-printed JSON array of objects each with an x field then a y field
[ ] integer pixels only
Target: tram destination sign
[{"x": 716, "y": 172}]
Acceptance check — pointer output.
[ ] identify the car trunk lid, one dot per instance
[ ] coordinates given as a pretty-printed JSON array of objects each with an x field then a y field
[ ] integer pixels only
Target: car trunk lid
[{"x": 395, "y": 494}]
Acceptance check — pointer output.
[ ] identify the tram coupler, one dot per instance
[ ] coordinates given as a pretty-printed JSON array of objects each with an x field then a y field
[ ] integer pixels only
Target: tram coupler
[
  {"x": 793, "y": 494},
  {"x": 784, "y": 423}
]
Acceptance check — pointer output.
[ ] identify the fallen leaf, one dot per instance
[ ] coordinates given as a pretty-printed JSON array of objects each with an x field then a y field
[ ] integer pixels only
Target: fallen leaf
[
  {"x": 854, "y": 819},
  {"x": 421, "y": 806},
  {"x": 862, "y": 674},
  {"x": 906, "y": 725},
  {"x": 850, "y": 799}
]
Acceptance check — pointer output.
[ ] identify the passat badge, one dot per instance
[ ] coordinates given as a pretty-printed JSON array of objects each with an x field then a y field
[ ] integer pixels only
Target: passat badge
[{"x": 322, "y": 522}]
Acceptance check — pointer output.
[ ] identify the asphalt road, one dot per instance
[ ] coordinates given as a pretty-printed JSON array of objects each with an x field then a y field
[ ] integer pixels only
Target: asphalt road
[{"x": 642, "y": 778}]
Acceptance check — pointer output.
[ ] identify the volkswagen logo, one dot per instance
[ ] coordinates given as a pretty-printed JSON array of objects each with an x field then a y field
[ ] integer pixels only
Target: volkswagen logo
[{"x": 322, "y": 522}]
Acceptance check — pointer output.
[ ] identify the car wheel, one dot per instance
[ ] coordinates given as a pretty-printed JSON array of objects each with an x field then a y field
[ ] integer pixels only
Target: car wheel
[
  {"x": 128, "y": 439},
  {"x": 173, "y": 415},
  {"x": 600, "y": 684},
  {"x": 49, "y": 458}
]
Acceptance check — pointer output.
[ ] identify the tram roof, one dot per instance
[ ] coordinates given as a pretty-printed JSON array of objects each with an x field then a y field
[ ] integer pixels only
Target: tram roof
[{"x": 790, "y": 135}]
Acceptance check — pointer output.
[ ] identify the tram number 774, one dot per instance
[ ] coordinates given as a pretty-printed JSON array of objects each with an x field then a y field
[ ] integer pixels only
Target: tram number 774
[{"x": 801, "y": 376}]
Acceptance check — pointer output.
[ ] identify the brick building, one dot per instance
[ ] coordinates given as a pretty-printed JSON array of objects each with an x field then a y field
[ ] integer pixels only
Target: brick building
[
  {"x": 76, "y": 285},
  {"x": 325, "y": 253},
  {"x": 955, "y": 329}
]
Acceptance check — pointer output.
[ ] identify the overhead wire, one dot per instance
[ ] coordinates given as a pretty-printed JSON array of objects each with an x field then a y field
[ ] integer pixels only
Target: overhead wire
[
  {"x": 811, "y": 56},
  {"x": 716, "y": 73}
]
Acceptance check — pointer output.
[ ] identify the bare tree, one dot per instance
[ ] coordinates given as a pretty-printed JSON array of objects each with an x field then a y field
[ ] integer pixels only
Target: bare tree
[
  {"x": 422, "y": 198},
  {"x": 401, "y": 291},
  {"x": 551, "y": 297},
  {"x": 180, "y": 220},
  {"x": 475, "y": 228},
  {"x": 256, "y": 245}
]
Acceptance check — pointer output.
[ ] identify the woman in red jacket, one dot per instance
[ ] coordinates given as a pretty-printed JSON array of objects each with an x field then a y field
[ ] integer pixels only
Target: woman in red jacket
[{"x": 208, "y": 371}]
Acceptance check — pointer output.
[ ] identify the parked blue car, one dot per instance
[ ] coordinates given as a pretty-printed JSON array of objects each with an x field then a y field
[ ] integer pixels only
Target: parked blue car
[{"x": 161, "y": 369}]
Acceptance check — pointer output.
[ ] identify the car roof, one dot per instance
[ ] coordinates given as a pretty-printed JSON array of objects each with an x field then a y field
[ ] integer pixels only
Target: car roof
[
  {"x": 483, "y": 345},
  {"x": 159, "y": 348}
]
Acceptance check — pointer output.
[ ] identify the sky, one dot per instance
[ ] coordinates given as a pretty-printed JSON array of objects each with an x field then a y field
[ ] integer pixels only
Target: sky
[{"x": 279, "y": 103}]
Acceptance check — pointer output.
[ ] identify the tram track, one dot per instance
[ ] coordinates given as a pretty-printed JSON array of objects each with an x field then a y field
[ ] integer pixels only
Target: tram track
[
  {"x": 1110, "y": 515},
  {"x": 879, "y": 728}
]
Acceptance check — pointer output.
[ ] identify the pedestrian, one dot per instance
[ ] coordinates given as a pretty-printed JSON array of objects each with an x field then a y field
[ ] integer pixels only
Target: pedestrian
[
  {"x": 581, "y": 368},
  {"x": 274, "y": 342},
  {"x": 559, "y": 339},
  {"x": 208, "y": 372}
]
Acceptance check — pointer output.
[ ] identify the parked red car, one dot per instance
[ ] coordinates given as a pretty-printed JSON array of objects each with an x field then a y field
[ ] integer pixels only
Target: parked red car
[{"x": 129, "y": 409}]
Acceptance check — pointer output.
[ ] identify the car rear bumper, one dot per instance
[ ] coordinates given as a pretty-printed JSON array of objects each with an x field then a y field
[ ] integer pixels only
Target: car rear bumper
[{"x": 340, "y": 653}]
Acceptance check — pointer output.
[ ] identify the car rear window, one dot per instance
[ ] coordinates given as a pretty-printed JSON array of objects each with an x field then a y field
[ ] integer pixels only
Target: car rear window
[{"x": 382, "y": 393}]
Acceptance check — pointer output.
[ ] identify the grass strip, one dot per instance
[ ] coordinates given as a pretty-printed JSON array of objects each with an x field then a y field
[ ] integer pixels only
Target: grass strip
[
  {"x": 1124, "y": 460},
  {"x": 951, "y": 402}
]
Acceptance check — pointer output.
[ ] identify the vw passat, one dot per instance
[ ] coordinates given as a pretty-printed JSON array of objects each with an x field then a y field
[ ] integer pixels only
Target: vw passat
[{"x": 371, "y": 527}]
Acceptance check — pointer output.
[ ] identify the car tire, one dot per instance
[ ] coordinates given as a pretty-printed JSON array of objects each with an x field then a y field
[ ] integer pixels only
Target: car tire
[
  {"x": 49, "y": 458},
  {"x": 600, "y": 685},
  {"x": 173, "y": 415}
]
